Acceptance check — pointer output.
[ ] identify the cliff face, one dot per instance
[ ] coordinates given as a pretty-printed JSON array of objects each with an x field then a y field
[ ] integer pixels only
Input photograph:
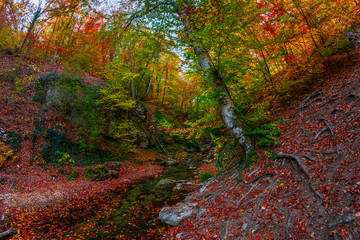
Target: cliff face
[{"x": 309, "y": 190}]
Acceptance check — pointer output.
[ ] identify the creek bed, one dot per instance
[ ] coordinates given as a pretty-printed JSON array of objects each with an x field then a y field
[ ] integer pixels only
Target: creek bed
[{"x": 136, "y": 217}]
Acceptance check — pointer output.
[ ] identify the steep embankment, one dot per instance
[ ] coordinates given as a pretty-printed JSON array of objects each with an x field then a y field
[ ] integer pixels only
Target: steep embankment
[{"x": 310, "y": 190}]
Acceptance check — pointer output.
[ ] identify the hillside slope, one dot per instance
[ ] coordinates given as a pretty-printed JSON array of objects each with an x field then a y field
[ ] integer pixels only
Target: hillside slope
[{"x": 310, "y": 190}]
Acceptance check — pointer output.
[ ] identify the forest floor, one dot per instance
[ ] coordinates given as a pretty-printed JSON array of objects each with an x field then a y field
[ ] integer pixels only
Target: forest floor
[{"x": 309, "y": 189}]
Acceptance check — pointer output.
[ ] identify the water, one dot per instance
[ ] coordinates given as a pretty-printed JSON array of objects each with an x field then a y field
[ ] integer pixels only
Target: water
[{"x": 136, "y": 217}]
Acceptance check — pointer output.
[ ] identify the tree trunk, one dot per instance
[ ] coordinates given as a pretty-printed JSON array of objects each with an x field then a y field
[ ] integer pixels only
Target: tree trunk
[{"x": 233, "y": 122}]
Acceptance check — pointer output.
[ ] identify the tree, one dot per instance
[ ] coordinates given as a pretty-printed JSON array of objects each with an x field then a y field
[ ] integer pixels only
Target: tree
[{"x": 183, "y": 16}]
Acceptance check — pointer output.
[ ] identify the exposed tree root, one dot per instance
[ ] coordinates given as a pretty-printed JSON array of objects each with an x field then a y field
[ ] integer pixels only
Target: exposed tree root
[
  {"x": 325, "y": 129},
  {"x": 309, "y": 158},
  {"x": 261, "y": 176},
  {"x": 317, "y": 100},
  {"x": 347, "y": 219},
  {"x": 289, "y": 194},
  {"x": 258, "y": 196},
  {"x": 297, "y": 161},
  {"x": 8, "y": 233},
  {"x": 317, "y": 140},
  {"x": 246, "y": 194},
  {"x": 329, "y": 101},
  {"x": 303, "y": 170}
]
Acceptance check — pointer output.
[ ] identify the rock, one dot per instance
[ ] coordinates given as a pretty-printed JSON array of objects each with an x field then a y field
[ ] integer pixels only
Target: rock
[
  {"x": 140, "y": 111},
  {"x": 142, "y": 141},
  {"x": 170, "y": 162},
  {"x": 160, "y": 162},
  {"x": 3, "y": 135},
  {"x": 179, "y": 187},
  {"x": 173, "y": 216},
  {"x": 113, "y": 174},
  {"x": 98, "y": 177},
  {"x": 189, "y": 150},
  {"x": 164, "y": 183},
  {"x": 112, "y": 166}
]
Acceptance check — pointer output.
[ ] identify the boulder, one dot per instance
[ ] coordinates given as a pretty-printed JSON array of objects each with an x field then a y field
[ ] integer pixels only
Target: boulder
[{"x": 173, "y": 216}]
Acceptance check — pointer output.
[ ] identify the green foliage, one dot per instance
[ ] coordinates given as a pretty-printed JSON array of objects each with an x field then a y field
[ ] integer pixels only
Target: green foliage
[
  {"x": 162, "y": 121},
  {"x": 59, "y": 147},
  {"x": 91, "y": 171},
  {"x": 73, "y": 175},
  {"x": 266, "y": 134},
  {"x": 205, "y": 176},
  {"x": 6, "y": 155},
  {"x": 15, "y": 140},
  {"x": 66, "y": 159},
  {"x": 335, "y": 44},
  {"x": 252, "y": 158},
  {"x": 228, "y": 153}
]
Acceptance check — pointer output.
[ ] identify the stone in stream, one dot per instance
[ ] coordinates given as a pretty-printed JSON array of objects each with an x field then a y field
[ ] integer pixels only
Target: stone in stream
[
  {"x": 173, "y": 216},
  {"x": 164, "y": 183}
]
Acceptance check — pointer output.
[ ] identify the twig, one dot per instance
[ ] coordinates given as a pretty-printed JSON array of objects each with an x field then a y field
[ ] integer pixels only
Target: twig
[
  {"x": 353, "y": 73},
  {"x": 312, "y": 217},
  {"x": 356, "y": 142},
  {"x": 287, "y": 226},
  {"x": 12, "y": 183}
]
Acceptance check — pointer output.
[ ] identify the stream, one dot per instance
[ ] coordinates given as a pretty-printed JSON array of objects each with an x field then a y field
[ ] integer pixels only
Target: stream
[{"x": 136, "y": 217}]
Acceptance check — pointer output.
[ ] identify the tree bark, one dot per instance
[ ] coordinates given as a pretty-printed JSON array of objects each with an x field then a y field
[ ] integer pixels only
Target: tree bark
[{"x": 235, "y": 125}]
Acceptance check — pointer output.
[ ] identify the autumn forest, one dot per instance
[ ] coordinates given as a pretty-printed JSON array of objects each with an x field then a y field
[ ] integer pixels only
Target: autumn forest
[{"x": 179, "y": 119}]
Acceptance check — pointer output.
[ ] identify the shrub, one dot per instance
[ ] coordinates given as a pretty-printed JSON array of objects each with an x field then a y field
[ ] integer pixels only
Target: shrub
[
  {"x": 6, "y": 155},
  {"x": 266, "y": 134},
  {"x": 205, "y": 176},
  {"x": 90, "y": 171},
  {"x": 73, "y": 175}
]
